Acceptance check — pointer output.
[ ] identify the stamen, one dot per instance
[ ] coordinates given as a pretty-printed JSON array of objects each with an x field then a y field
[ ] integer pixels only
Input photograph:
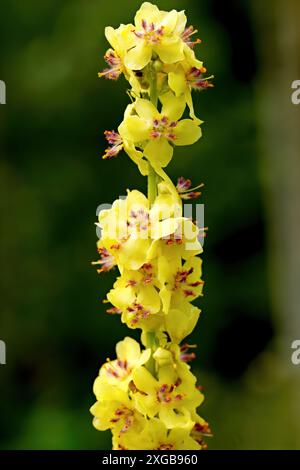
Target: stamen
[
  {"x": 114, "y": 311},
  {"x": 186, "y": 36},
  {"x": 107, "y": 261},
  {"x": 138, "y": 312},
  {"x": 150, "y": 32},
  {"x": 184, "y": 188},
  {"x": 115, "y": 144},
  {"x": 196, "y": 80},
  {"x": 115, "y": 66},
  {"x": 185, "y": 355}
]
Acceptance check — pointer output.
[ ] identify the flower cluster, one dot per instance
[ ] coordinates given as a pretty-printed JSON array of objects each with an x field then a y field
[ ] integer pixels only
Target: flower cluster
[{"x": 149, "y": 398}]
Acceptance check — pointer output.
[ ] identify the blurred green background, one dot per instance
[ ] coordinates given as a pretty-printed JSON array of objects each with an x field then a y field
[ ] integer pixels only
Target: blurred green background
[{"x": 52, "y": 180}]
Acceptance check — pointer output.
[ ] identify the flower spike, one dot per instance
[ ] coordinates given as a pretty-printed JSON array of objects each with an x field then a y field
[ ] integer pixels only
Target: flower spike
[{"x": 148, "y": 397}]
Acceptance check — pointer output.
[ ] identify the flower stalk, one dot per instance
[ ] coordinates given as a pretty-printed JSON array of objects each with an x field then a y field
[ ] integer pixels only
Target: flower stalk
[{"x": 148, "y": 397}]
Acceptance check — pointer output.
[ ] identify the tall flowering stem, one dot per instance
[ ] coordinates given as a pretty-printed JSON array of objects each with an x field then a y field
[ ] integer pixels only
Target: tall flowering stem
[{"x": 148, "y": 396}]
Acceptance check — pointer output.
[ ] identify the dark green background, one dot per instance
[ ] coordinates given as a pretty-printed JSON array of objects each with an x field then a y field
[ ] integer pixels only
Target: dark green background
[{"x": 53, "y": 179}]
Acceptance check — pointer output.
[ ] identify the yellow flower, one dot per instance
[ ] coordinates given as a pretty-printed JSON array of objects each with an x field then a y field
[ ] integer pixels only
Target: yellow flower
[
  {"x": 119, "y": 371},
  {"x": 113, "y": 406},
  {"x": 130, "y": 229},
  {"x": 186, "y": 76},
  {"x": 171, "y": 397},
  {"x": 181, "y": 243},
  {"x": 186, "y": 283},
  {"x": 156, "y": 132},
  {"x": 156, "y": 32},
  {"x": 156, "y": 436},
  {"x": 181, "y": 320},
  {"x": 136, "y": 297},
  {"x": 124, "y": 230},
  {"x": 114, "y": 410},
  {"x": 121, "y": 40}
]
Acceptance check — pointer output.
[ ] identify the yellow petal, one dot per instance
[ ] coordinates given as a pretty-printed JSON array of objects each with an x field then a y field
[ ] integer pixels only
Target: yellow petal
[
  {"x": 137, "y": 157},
  {"x": 172, "y": 106},
  {"x": 136, "y": 200},
  {"x": 181, "y": 321},
  {"x": 139, "y": 56},
  {"x": 149, "y": 298},
  {"x": 121, "y": 297},
  {"x": 111, "y": 36},
  {"x": 159, "y": 152},
  {"x": 148, "y": 12},
  {"x": 177, "y": 81},
  {"x": 146, "y": 110},
  {"x": 133, "y": 252},
  {"x": 187, "y": 132},
  {"x": 170, "y": 52},
  {"x": 172, "y": 419},
  {"x": 144, "y": 381},
  {"x": 165, "y": 295},
  {"x": 189, "y": 101},
  {"x": 134, "y": 129},
  {"x": 128, "y": 350},
  {"x": 169, "y": 21},
  {"x": 164, "y": 228},
  {"x": 181, "y": 22}
]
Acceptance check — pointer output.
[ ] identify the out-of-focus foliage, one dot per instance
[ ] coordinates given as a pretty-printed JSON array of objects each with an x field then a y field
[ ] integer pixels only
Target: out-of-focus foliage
[{"x": 53, "y": 179}]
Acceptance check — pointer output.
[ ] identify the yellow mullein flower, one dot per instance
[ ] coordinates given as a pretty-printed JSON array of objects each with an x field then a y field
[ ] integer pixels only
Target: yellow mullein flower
[
  {"x": 119, "y": 371},
  {"x": 127, "y": 437},
  {"x": 156, "y": 436},
  {"x": 181, "y": 320},
  {"x": 184, "y": 283},
  {"x": 156, "y": 132},
  {"x": 114, "y": 410},
  {"x": 181, "y": 243},
  {"x": 130, "y": 229},
  {"x": 187, "y": 76},
  {"x": 125, "y": 230},
  {"x": 121, "y": 40},
  {"x": 156, "y": 32},
  {"x": 135, "y": 296},
  {"x": 171, "y": 396}
]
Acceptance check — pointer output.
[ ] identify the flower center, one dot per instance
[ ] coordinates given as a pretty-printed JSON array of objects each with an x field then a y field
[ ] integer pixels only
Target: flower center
[
  {"x": 124, "y": 414},
  {"x": 138, "y": 219},
  {"x": 165, "y": 394},
  {"x": 163, "y": 128},
  {"x": 150, "y": 33},
  {"x": 181, "y": 282},
  {"x": 138, "y": 313},
  {"x": 118, "y": 369},
  {"x": 147, "y": 272}
]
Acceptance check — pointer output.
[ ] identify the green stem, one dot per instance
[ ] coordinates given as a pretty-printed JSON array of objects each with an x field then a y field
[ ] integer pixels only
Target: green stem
[
  {"x": 151, "y": 343},
  {"x": 153, "y": 87},
  {"x": 152, "y": 188},
  {"x": 152, "y": 193}
]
